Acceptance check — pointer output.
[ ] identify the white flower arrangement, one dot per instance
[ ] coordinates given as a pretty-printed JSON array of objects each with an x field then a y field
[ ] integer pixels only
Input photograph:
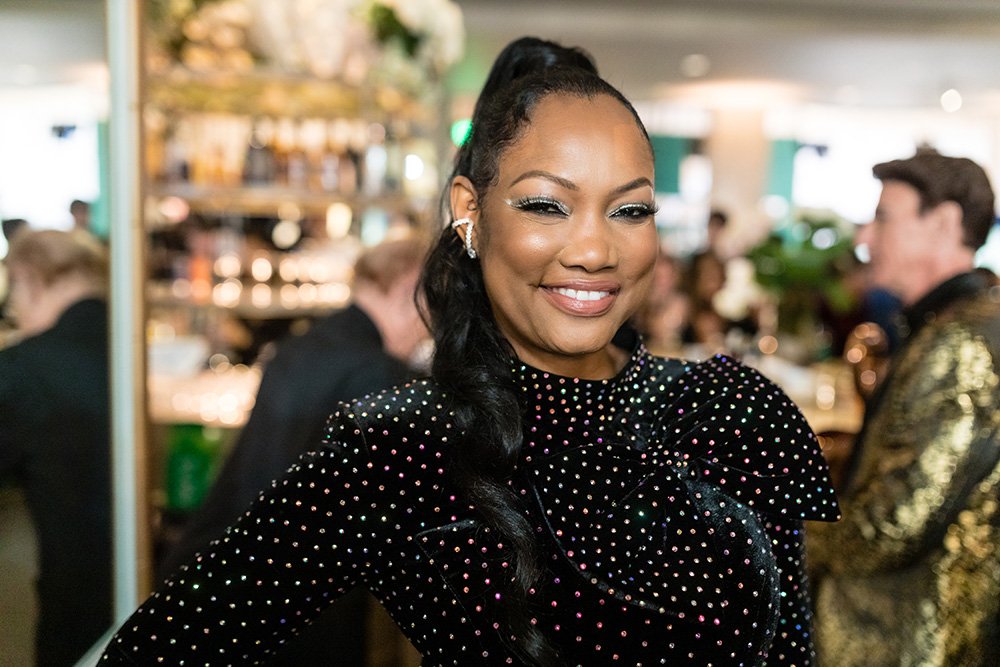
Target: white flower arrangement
[
  {"x": 402, "y": 43},
  {"x": 435, "y": 26}
]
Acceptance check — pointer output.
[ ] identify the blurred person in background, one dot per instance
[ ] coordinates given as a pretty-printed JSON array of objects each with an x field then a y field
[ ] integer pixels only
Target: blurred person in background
[
  {"x": 911, "y": 574},
  {"x": 708, "y": 322},
  {"x": 705, "y": 279},
  {"x": 662, "y": 319},
  {"x": 348, "y": 354},
  {"x": 10, "y": 226},
  {"x": 80, "y": 210},
  {"x": 55, "y": 431},
  {"x": 714, "y": 230}
]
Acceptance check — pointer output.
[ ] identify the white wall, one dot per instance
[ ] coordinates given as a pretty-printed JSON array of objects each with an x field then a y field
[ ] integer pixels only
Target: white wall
[{"x": 41, "y": 174}]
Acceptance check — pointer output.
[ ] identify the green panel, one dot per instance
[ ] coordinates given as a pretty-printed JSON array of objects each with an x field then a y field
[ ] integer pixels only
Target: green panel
[
  {"x": 782, "y": 167},
  {"x": 100, "y": 214},
  {"x": 668, "y": 152}
]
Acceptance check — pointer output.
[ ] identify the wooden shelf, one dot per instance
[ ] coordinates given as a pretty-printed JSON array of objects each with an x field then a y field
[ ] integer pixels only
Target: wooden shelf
[
  {"x": 263, "y": 93},
  {"x": 266, "y": 199}
]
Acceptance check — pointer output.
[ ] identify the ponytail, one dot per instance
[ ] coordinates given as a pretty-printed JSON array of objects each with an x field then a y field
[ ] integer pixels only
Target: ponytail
[{"x": 473, "y": 360}]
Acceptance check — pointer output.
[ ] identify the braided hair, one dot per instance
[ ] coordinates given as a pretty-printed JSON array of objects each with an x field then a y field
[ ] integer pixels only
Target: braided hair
[{"x": 472, "y": 360}]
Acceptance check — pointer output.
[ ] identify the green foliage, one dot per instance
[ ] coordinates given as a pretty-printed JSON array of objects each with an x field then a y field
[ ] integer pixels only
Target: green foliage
[
  {"x": 388, "y": 28},
  {"x": 804, "y": 264},
  {"x": 166, "y": 17}
]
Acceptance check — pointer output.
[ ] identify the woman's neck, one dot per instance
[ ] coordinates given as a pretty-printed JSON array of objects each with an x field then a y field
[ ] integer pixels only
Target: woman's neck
[{"x": 601, "y": 365}]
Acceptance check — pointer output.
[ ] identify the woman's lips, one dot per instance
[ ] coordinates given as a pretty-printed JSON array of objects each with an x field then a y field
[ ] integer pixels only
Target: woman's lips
[{"x": 582, "y": 301}]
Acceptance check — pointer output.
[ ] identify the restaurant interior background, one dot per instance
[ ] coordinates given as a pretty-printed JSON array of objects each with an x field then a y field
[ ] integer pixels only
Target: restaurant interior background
[{"x": 294, "y": 139}]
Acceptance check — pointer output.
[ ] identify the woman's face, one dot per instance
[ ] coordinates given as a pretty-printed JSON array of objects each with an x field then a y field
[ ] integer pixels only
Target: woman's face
[{"x": 566, "y": 238}]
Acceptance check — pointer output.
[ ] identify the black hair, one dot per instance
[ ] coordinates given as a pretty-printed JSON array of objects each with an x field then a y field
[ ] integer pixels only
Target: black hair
[
  {"x": 473, "y": 360},
  {"x": 938, "y": 178}
]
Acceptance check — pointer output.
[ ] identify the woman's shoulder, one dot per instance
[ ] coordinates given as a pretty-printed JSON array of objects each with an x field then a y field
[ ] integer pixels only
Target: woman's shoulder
[
  {"x": 745, "y": 433},
  {"x": 415, "y": 399},
  {"x": 412, "y": 414}
]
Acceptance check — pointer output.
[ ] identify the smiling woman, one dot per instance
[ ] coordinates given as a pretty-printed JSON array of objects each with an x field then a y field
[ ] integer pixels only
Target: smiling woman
[
  {"x": 567, "y": 239},
  {"x": 545, "y": 497}
]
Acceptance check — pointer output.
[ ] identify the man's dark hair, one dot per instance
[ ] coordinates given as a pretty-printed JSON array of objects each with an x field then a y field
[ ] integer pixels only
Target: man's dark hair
[
  {"x": 718, "y": 217},
  {"x": 939, "y": 178},
  {"x": 12, "y": 226}
]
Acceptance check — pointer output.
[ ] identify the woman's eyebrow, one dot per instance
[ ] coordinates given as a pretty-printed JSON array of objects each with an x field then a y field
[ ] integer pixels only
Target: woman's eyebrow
[
  {"x": 570, "y": 185},
  {"x": 633, "y": 184},
  {"x": 540, "y": 173}
]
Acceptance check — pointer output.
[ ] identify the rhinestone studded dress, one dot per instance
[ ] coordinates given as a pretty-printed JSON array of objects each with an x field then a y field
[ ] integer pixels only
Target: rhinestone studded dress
[{"x": 669, "y": 502}]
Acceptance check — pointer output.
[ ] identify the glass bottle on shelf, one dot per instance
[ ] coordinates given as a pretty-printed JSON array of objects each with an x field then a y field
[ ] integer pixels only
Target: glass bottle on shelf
[
  {"x": 284, "y": 143},
  {"x": 339, "y": 139},
  {"x": 313, "y": 140},
  {"x": 298, "y": 165},
  {"x": 375, "y": 160},
  {"x": 259, "y": 163},
  {"x": 394, "y": 162},
  {"x": 175, "y": 153},
  {"x": 329, "y": 169}
]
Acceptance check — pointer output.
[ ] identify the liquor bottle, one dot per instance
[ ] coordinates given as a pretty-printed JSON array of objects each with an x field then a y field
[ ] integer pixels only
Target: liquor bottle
[
  {"x": 284, "y": 143},
  {"x": 375, "y": 159},
  {"x": 175, "y": 155},
  {"x": 394, "y": 162},
  {"x": 258, "y": 166},
  {"x": 298, "y": 164},
  {"x": 329, "y": 169}
]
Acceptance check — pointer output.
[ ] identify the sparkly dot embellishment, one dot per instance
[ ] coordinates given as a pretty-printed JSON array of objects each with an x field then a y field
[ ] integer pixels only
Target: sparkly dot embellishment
[{"x": 668, "y": 502}]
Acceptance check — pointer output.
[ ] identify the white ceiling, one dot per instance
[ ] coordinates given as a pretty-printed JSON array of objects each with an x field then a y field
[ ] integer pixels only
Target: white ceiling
[
  {"x": 900, "y": 53},
  {"x": 50, "y": 41},
  {"x": 867, "y": 52}
]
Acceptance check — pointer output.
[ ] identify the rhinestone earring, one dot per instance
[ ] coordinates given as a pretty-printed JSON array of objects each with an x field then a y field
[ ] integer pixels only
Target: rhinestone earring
[{"x": 470, "y": 251}]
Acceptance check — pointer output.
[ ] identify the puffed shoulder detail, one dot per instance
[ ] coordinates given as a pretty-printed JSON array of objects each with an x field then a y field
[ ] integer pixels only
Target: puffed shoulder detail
[
  {"x": 726, "y": 446},
  {"x": 744, "y": 434}
]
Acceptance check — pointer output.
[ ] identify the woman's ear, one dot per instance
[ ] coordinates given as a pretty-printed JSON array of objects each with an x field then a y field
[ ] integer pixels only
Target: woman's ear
[
  {"x": 464, "y": 206},
  {"x": 464, "y": 200}
]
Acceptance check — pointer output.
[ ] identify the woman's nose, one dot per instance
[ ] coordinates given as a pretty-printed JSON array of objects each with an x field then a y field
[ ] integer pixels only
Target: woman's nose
[{"x": 590, "y": 244}]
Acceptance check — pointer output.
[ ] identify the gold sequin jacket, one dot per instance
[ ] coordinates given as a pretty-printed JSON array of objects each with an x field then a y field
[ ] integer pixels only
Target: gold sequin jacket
[
  {"x": 911, "y": 575},
  {"x": 668, "y": 502}
]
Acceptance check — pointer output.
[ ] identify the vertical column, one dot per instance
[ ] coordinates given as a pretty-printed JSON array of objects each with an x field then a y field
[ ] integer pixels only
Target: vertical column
[
  {"x": 739, "y": 152},
  {"x": 127, "y": 316}
]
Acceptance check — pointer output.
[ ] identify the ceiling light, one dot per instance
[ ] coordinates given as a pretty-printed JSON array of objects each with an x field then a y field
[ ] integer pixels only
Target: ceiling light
[
  {"x": 695, "y": 65},
  {"x": 951, "y": 100}
]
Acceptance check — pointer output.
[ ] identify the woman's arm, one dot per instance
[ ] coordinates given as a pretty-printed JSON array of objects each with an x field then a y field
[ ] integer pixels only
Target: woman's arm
[
  {"x": 793, "y": 642},
  {"x": 301, "y": 545}
]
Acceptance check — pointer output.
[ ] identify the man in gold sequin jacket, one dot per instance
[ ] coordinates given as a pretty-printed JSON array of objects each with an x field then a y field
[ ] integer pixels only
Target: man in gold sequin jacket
[{"x": 911, "y": 575}]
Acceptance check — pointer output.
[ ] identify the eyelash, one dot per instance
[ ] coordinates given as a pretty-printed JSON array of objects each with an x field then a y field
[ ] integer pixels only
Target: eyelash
[
  {"x": 635, "y": 211},
  {"x": 548, "y": 206},
  {"x": 541, "y": 205}
]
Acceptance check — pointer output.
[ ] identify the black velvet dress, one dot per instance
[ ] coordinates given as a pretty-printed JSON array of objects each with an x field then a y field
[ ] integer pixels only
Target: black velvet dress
[{"x": 669, "y": 501}]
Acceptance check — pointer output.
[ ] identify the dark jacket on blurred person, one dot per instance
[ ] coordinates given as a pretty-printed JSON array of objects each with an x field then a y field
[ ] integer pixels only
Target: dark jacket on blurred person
[
  {"x": 911, "y": 574},
  {"x": 54, "y": 442},
  {"x": 342, "y": 356}
]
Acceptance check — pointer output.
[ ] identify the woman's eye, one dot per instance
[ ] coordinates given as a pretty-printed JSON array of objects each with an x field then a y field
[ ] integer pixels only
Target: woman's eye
[
  {"x": 636, "y": 212},
  {"x": 540, "y": 205}
]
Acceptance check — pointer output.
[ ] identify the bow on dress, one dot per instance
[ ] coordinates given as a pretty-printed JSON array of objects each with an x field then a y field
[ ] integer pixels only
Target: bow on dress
[{"x": 676, "y": 518}]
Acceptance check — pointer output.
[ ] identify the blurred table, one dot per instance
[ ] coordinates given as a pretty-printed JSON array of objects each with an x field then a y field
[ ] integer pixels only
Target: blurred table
[{"x": 212, "y": 397}]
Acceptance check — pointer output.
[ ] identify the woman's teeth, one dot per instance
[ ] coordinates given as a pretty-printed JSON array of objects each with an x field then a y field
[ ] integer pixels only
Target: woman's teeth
[{"x": 580, "y": 295}]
